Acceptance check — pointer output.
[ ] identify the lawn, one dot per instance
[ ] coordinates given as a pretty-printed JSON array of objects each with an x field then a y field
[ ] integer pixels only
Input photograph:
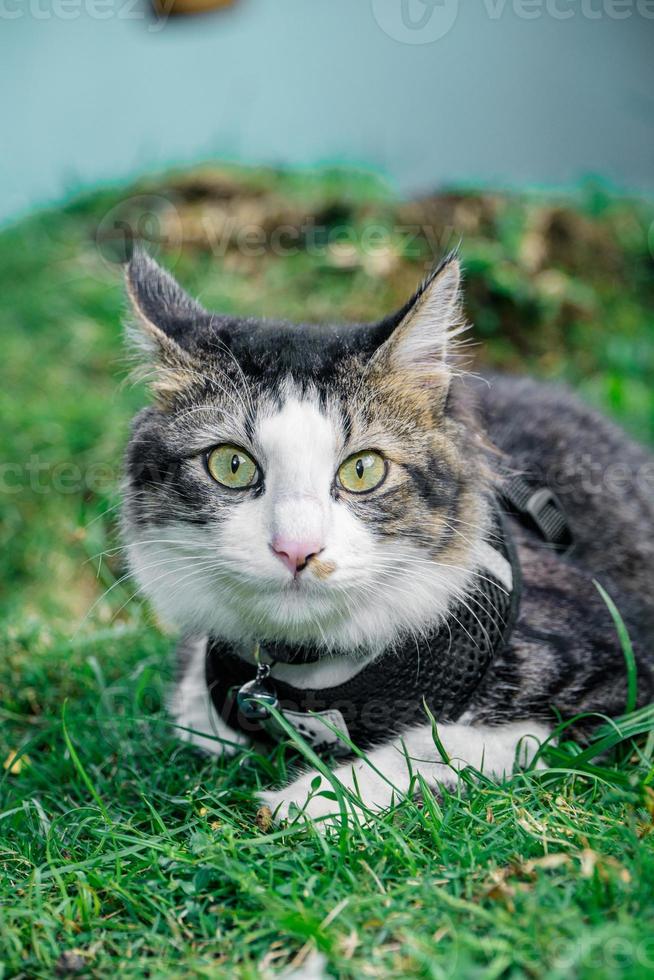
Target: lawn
[{"x": 123, "y": 852}]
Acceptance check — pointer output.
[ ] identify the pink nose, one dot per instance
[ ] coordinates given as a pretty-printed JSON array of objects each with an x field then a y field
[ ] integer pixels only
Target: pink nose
[{"x": 295, "y": 554}]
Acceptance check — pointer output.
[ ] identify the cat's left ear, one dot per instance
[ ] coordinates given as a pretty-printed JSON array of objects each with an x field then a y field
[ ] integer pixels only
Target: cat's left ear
[
  {"x": 167, "y": 319},
  {"x": 420, "y": 346}
]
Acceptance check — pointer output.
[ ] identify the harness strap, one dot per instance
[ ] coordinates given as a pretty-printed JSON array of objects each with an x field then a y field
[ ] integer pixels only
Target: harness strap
[
  {"x": 385, "y": 694},
  {"x": 539, "y": 507}
]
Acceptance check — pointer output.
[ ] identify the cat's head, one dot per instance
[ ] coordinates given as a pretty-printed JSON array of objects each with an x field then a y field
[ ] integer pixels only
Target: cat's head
[{"x": 300, "y": 483}]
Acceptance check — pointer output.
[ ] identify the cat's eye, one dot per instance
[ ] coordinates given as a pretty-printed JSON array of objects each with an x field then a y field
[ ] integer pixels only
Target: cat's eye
[
  {"x": 362, "y": 472},
  {"x": 232, "y": 467}
]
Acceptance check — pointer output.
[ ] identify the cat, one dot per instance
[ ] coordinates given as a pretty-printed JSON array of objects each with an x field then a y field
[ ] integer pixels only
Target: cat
[{"x": 333, "y": 490}]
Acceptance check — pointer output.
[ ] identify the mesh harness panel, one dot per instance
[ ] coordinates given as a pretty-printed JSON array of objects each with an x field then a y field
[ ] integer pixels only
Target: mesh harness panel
[{"x": 441, "y": 670}]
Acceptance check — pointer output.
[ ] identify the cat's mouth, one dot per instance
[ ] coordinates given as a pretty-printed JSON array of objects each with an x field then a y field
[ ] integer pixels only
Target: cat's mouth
[
  {"x": 304, "y": 584},
  {"x": 313, "y": 571},
  {"x": 294, "y": 610}
]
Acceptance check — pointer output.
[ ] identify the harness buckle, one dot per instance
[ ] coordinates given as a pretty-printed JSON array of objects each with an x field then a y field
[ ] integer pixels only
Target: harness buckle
[
  {"x": 543, "y": 509},
  {"x": 539, "y": 500}
]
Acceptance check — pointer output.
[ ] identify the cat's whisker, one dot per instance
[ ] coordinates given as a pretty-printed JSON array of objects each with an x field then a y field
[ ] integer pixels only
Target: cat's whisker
[
  {"x": 98, "y": 517},
  {"x": 127, "y": 575},
  {"x": 222, "y": 346},
  {"x": 144, "y": 541},
  {"x": 236, "y": 396},
  {"x": 448, "y": 566},
  {"x": 462, "y": 598},
  {"x": 195, "y": 567},
  {"x": 212, "y": 410}
]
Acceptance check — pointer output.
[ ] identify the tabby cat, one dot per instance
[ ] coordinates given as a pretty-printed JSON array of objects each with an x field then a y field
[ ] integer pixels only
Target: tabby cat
[{"x": 317, "y": 509}]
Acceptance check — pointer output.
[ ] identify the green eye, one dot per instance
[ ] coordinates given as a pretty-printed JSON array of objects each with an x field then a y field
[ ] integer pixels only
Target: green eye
[
  {"x": 362, "y": 472},
  {"x": 232, "y": 467}
]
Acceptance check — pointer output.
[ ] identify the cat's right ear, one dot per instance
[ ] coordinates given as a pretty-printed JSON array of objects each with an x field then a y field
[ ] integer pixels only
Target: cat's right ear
[{"x": 165, "y": 318}]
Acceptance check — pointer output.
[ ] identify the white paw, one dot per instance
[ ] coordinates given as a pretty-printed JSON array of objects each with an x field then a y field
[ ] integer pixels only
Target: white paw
[
  {"x": 389, "y": 773},
  {"x": 302, "y": 798},
  {"x": 313, "y": 796}
]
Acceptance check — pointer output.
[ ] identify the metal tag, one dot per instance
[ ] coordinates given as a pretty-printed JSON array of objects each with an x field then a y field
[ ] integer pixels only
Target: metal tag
[{"x": 255, "y": 697}]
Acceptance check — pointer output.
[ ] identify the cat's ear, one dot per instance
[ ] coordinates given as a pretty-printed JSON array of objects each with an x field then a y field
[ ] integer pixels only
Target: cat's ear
[
  {"x": 420, "y": 345},
  {"x": 166, "y": 320}
]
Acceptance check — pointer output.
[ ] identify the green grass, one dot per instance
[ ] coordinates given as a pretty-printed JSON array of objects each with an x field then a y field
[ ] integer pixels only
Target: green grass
[{"x": 119, "y": 842}]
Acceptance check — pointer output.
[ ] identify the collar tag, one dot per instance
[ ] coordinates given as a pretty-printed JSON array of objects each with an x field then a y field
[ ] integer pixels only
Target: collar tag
[
  {"x": 255, "y": 697},
  {"x": 314, "y": 730}
]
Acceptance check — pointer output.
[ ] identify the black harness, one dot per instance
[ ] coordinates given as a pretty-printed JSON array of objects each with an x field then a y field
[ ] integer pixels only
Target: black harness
[{"x": 385, "y": 694}]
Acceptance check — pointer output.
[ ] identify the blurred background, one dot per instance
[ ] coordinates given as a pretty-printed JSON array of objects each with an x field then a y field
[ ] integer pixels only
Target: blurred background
[
  {"x": 501, "y": 93},
  {"x": 307, "y": 161}
]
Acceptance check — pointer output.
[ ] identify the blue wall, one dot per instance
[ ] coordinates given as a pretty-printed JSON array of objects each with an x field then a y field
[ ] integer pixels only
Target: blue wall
[{"x": 499, "y": 99}]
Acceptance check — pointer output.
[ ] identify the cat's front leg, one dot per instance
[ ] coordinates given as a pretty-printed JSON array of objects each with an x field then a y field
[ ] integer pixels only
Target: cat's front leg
[
  {"x": 193, "y": 713},
  {"x": 386, "y": 773}
]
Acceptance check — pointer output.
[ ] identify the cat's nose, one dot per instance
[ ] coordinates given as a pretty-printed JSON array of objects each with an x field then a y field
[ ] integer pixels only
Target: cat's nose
[{"x": 295, "y": 554}]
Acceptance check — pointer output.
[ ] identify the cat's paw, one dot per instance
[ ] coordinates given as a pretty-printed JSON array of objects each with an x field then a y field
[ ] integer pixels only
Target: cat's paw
[
  {"x": 312, "y": 796},
  {"x": 309, "y": 796}
]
